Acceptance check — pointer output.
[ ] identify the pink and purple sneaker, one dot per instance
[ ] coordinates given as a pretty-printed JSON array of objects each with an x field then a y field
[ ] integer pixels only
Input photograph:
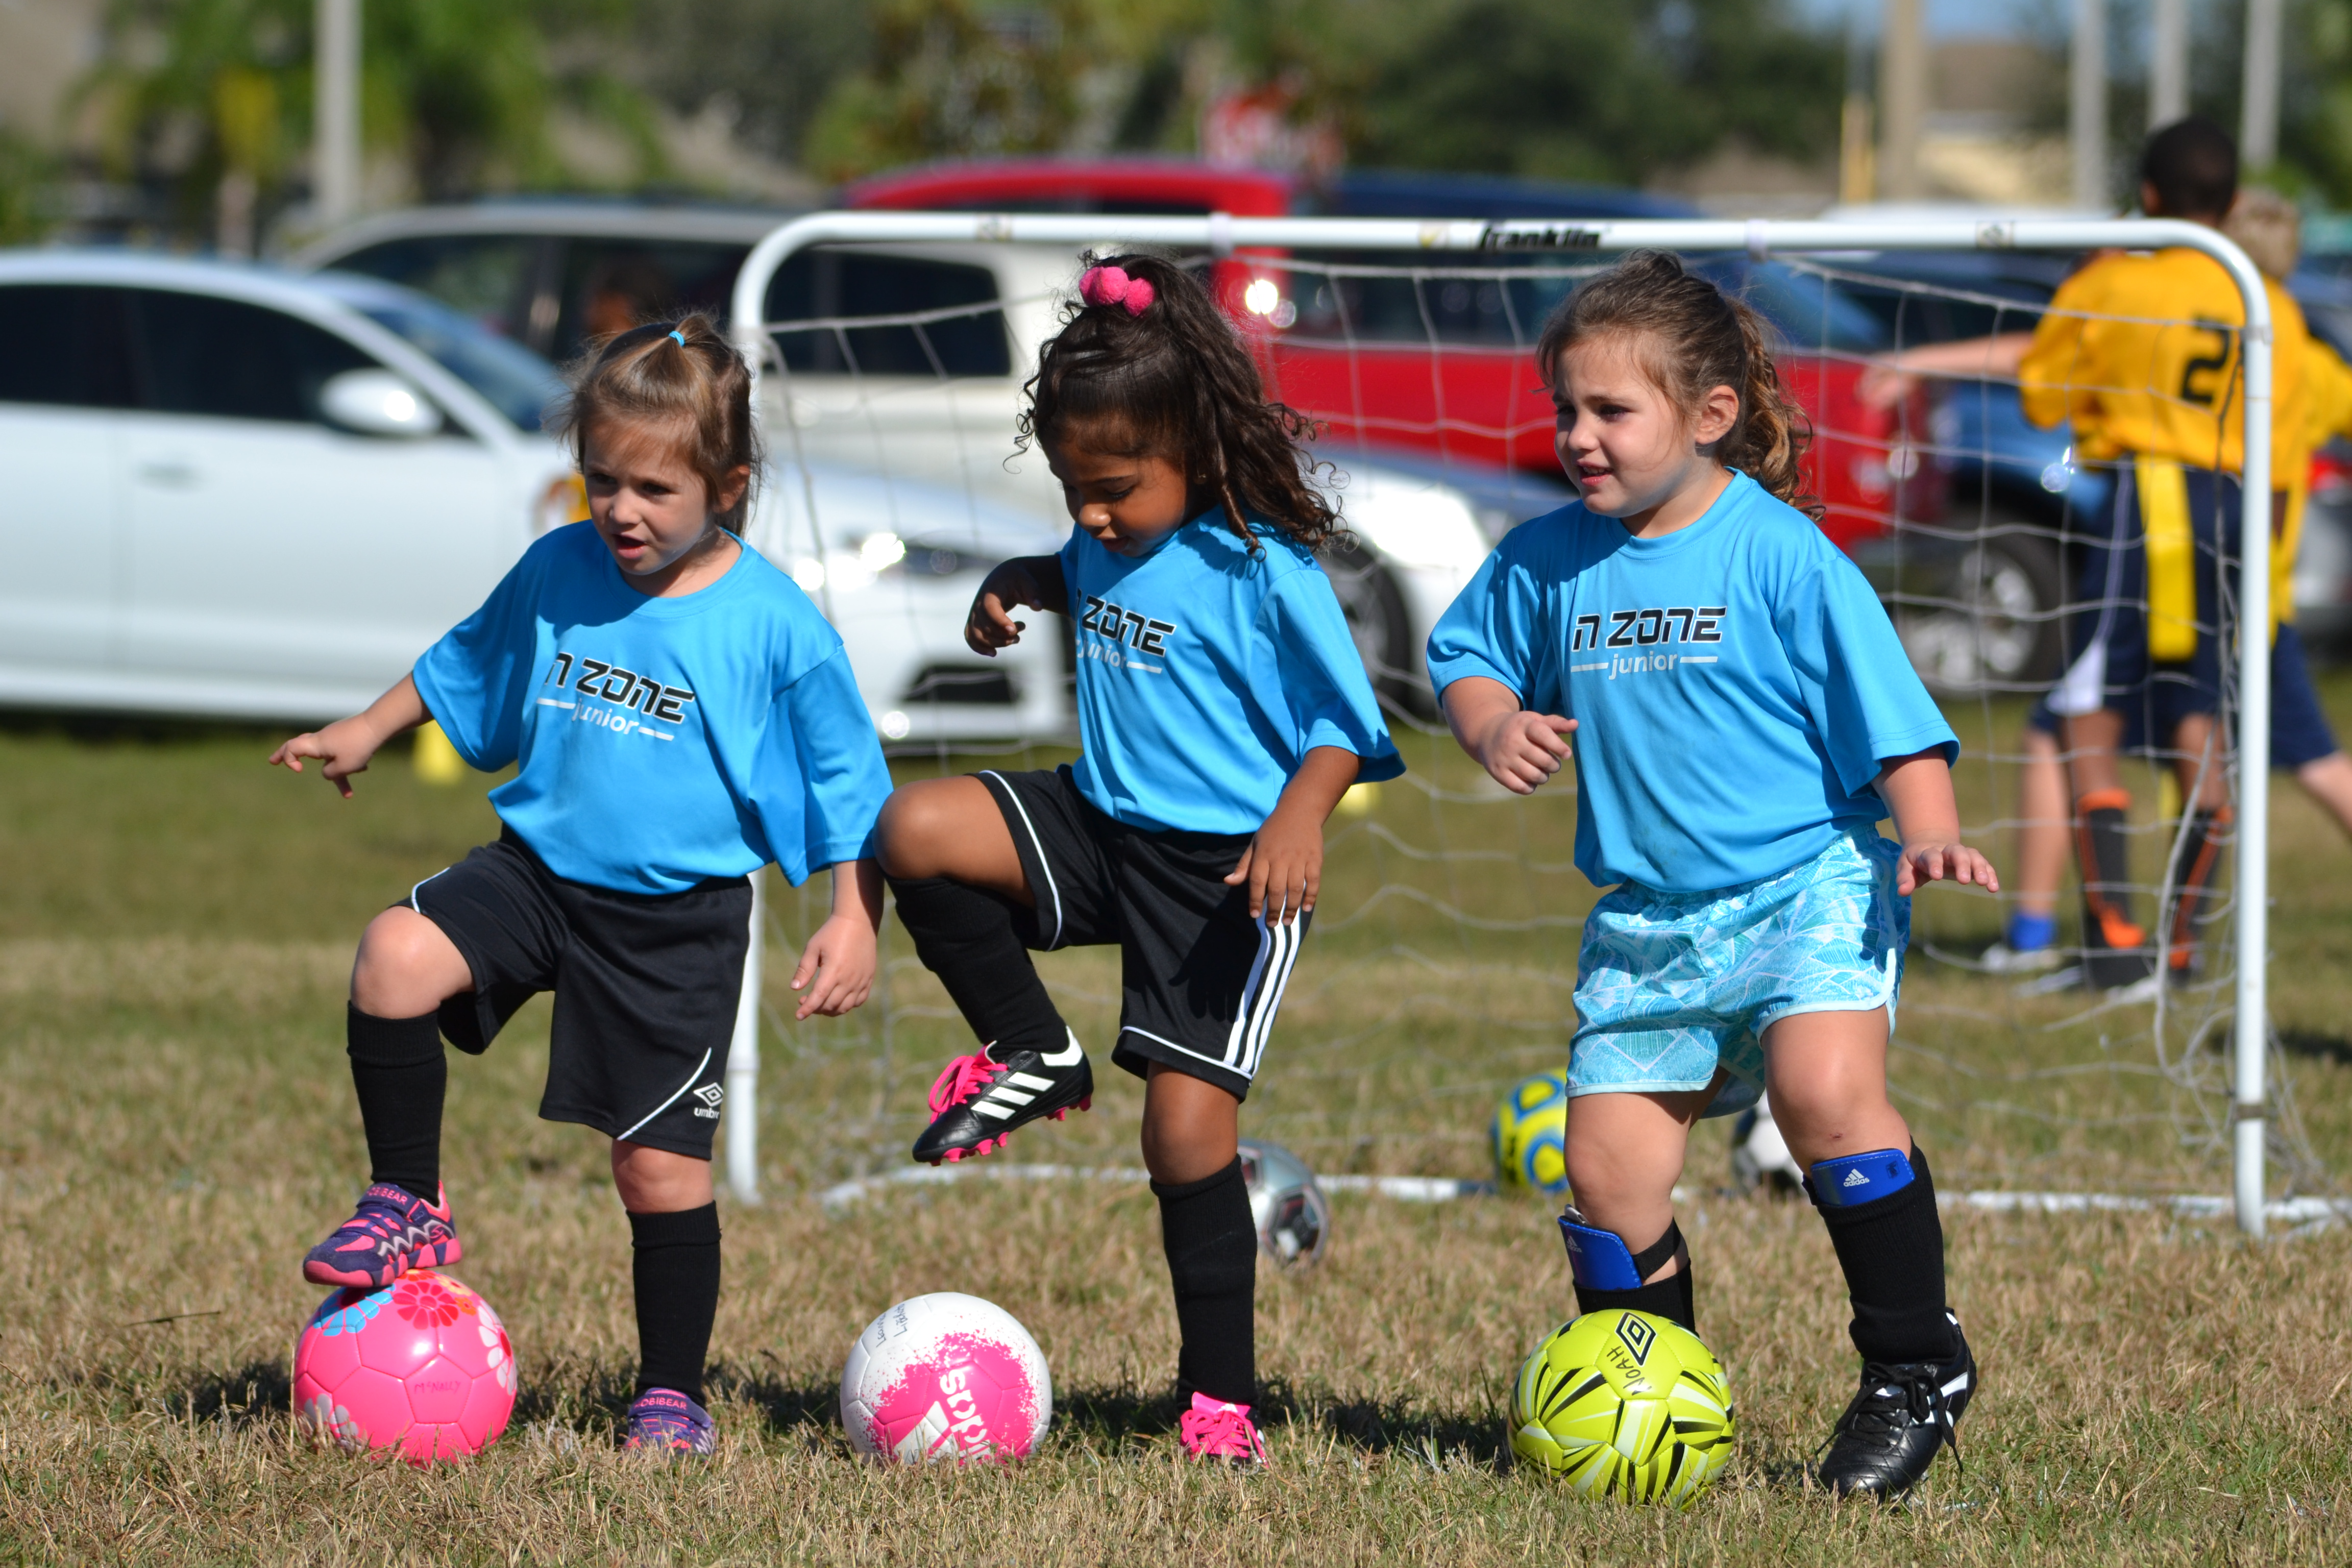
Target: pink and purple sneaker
[
  {"x": 392, "y": 1232},
  {"x": 664, "y": 1421},
  {"x": 1213, "y": 1429}
]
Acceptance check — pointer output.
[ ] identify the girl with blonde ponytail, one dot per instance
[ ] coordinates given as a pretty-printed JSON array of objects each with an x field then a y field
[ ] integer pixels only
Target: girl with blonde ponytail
[{"x": 1744, "y": 717}]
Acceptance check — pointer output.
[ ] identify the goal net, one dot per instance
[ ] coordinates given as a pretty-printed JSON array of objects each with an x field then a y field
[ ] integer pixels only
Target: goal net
[{"x": 1443, "y": 957}]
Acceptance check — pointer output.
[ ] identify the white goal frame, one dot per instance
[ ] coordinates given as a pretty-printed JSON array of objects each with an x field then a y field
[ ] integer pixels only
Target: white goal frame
[{"x": 1221, "y": 234}]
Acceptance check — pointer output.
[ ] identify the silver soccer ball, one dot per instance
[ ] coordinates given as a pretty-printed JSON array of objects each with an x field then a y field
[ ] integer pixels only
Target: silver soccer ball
[
  {"x": 1760, "y": 1155},
  {"x": 1293, "y": 1216}
]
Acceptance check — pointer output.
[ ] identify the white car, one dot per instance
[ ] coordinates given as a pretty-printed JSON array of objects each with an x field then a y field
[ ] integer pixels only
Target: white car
[
  {"x": 927, "y": 401},
  {"x": 244, "y": 493}
]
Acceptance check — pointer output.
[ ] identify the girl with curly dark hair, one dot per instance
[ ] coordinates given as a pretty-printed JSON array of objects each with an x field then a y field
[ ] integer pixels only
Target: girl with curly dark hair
[{"x": 1223, "y": 710}]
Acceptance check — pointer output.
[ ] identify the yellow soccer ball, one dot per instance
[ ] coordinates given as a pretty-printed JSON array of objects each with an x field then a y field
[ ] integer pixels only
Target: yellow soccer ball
[
  {"x": 1529, "y": 1135},
  {"x": 1626, "y": 1405}
]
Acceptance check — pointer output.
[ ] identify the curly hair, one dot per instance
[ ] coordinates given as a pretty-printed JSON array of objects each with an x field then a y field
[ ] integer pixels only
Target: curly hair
[
  {"x": 682, "y": 374},
  {"x": 1689, "y": 336},
  {"x": 1175, "y": 381}
]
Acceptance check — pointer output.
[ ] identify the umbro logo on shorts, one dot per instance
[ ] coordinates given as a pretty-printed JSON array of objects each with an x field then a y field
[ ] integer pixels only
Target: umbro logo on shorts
[{"x": 710, "y": 1094}]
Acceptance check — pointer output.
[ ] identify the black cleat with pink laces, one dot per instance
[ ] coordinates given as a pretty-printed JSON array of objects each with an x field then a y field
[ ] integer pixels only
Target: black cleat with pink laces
[{"x": 980, "y": 1098}]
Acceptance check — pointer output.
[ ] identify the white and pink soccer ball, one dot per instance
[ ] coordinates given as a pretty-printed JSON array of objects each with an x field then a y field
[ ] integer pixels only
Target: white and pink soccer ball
[
  {"x": 423, "y": 1366},
  {"x": 946, "y": 1377}
]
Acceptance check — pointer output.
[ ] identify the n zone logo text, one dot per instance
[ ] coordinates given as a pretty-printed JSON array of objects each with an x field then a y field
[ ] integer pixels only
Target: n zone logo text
[
  {"x": 635, "y": 698},
  {"x": 1648, "y": 628},
  {"x": 1124, "y": 629}
]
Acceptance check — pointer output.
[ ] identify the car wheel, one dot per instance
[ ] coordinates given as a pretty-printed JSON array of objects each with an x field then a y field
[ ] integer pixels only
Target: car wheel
[
  {"x": 1993, "y": 623},
  {"x": 1374, "y": 605}
]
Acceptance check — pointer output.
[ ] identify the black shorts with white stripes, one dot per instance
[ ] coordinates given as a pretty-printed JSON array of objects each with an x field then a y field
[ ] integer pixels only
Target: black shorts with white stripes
[
  {"x": 1200, "y": 980},
  {"x": 645, "y": 987}
]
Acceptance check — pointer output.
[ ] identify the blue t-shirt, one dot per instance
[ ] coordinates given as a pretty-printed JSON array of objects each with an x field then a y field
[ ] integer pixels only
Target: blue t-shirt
[
  {"x": 1206, "y": 674},
  {"x": 662, "y": 740},
  {"x": 1735, "y": 684}
]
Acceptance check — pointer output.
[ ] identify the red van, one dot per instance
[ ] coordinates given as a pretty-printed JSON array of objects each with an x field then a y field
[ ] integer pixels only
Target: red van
[{"x": 1394, "y": 358}]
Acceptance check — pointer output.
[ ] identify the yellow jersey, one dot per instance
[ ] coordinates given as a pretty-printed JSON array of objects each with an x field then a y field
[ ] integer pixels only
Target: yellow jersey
[
  {"x": 2140, "y": 353},
  {"x": 2322, "y": 410}
]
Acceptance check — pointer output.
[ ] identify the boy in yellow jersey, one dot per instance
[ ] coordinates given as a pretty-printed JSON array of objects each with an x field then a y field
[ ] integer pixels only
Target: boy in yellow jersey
[{"x": 2139, "y": 353}]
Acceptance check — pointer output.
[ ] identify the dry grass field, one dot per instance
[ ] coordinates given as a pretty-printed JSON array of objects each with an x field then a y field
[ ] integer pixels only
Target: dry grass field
[{"x": 176, "y": 1127}]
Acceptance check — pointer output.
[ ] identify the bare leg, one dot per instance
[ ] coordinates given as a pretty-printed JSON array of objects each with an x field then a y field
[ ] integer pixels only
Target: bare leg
[
  {"x": 406, "y": 966},
  {"x": 2045, "y": 825},
  {"x": 655, "y": 1181},
  {"x": 950, "y": 828},
  {"x": 2328, "y": 781},
  {"x": 1624, "y": 1154},
  {"x": 2204, "y": 781},
  {"x": 1190, "y": 1126},
  {"x": 2090, "y": 740},
  {"x": 1826, "y": 1073}
]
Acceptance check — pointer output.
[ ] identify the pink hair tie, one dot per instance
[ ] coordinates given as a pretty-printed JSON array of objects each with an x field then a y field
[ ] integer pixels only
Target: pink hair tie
[{"x": 1112, "y": 286}]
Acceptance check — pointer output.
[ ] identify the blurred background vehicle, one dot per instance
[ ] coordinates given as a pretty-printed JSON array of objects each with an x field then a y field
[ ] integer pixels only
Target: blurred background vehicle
[
  {"x": 253, "y": 494},
  {"x": 552, "y": 273},
  {"x": 248, "y": 494}
]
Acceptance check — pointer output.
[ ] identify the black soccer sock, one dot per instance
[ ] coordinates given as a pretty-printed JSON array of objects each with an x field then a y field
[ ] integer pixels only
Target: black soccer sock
[
  {"x": 968, "y": 937},
  {"x": 401, "y": 1075},
  {"x": 1670, "y": 1297},
  {"x": 2109, "y": 933},
  {"x": 1892, "y": 1249},
  {"x": 675, "y": 1270},
  {"x": 2194, "y": 860},
  {"x": 1212, "y": 1244}
]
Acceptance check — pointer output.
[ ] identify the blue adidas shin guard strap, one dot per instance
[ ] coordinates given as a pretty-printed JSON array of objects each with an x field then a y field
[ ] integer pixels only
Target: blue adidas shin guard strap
[
  {"x": 1599, "y": 1259},
  {"x": 1852, "y": 1180}
]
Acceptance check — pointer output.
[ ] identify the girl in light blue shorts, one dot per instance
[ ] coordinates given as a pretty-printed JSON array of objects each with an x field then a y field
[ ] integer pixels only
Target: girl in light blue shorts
[{"x": 1744, "y": 720}]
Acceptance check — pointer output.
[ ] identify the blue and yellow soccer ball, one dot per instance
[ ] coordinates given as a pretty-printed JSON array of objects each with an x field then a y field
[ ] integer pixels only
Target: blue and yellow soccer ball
[
  {"x": 1530, "y": 1134},
  {"x": 1626, "y": 1405}
]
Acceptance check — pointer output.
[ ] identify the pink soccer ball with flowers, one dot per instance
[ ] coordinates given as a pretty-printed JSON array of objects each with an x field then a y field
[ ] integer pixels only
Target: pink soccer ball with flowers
[{"x": 423, "y": 1366}]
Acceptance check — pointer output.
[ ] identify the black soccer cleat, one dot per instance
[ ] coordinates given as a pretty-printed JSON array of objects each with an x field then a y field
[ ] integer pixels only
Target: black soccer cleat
[
  {"x": 979, "y": 1100},
  {"x": 1888, "y": 1437}
]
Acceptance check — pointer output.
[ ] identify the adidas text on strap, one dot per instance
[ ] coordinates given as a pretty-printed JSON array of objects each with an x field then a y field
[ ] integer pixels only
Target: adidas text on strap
[{"x": 1853, "y": 1179}]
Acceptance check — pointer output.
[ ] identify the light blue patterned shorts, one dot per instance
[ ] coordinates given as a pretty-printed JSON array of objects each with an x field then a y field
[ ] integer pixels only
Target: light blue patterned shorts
[{"x": 1672, "y": 986}]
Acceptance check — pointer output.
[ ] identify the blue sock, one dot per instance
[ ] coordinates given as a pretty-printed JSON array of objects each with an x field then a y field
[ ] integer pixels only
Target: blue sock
[{"x": 2030, "y": 932}]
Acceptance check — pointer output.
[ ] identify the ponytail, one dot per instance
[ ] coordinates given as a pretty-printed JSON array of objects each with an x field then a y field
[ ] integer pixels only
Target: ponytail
[
  {"x": 1691, "y": 336},
  {"x": 684, "y": 375},
  {"x": 1145, "y": 356}
]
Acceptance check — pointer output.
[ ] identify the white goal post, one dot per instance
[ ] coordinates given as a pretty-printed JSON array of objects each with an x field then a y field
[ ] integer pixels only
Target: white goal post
[{"x": 1220, "y": 233}]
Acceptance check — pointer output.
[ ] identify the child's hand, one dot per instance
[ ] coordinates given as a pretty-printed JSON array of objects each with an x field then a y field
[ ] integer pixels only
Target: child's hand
[
  {"x": 840, "y": 960},
  {"x": 1940, "y": 860},
  {"x": 1521, "y": 749},
  {"x": 991, "y": 625},
  {"x": 345, "y": 746},
  {"x": 1283, "y": 866}
]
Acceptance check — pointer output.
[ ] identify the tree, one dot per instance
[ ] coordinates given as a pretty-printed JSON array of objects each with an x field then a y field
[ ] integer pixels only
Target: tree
[
  {"x": 210, "y": 100},
  {"x": 1612, "y": 91}
]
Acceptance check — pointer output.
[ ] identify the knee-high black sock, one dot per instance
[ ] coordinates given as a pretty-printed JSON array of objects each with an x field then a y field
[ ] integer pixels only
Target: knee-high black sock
[
  {"x": 1670, "y": 1297},
  {"x": 401, "y": 1075},
  {"x": 1892, "y": 1249},
  {"x": 968, "y": 938},
  {"x": 2111, "y": 938},
  {"x": 676, "y": 1271},
  {"x": 2194, "y": 860},
  {"x": 1212, "y": 1246}
]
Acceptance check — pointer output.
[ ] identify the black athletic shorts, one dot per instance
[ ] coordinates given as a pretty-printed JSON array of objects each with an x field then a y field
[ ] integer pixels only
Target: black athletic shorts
[
  {"x": 645, "y": 987},
  {"x": 1199, "y": 981}
]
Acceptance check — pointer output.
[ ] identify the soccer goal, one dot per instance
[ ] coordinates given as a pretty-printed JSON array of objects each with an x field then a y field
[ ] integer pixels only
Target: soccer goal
[{"x": 891, "y": 347}]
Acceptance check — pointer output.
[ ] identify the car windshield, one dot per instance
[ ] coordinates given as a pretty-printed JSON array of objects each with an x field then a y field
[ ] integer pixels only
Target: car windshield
[{"x": 511, "y": 378}]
